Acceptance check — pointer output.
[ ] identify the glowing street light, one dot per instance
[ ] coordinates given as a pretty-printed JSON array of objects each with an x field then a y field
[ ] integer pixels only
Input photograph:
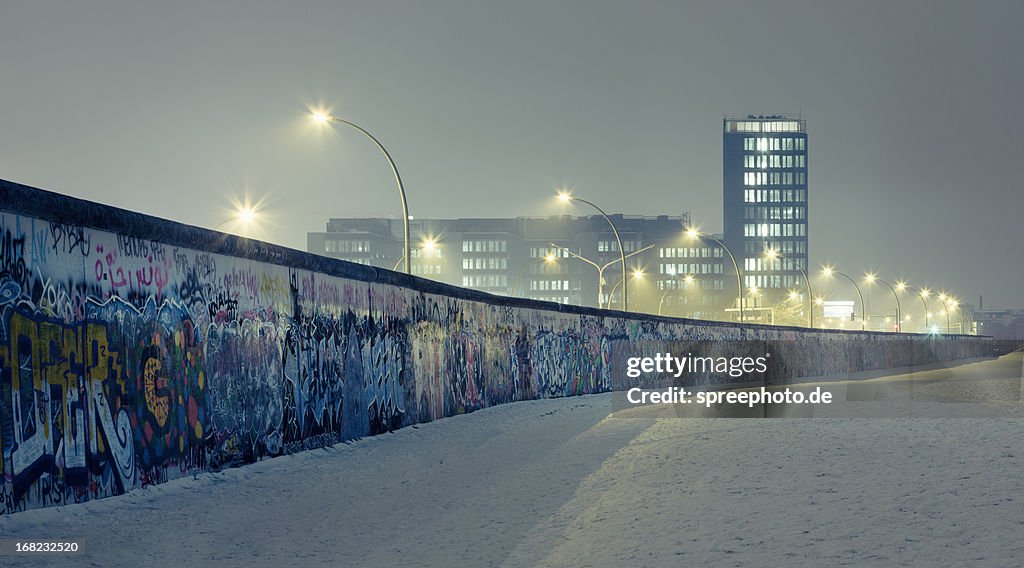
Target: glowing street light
[
  {"x": 922, "y": 293},
  {"x": 687, "y": 281},
  {"x": 243, "y": 214},
  {"x": 566, "y": 197},
  {"x": 828, "y": 272},
  {"x": 637, "y": 274},
  {"x": 773, "y": 255},
  {"x": 949, "y": 303},
  {"x": 323, "y": 118},
  {"x": 549, "y": 259},
  {"x": 871, "y": 278},
  {"x": 694, "y": 233},
  {"x": 600, "y": 268},
  {"x": 428, "y": 244}
]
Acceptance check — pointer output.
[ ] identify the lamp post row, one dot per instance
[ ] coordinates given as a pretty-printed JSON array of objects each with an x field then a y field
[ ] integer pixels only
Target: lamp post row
[{"x": 324, "y": 118}]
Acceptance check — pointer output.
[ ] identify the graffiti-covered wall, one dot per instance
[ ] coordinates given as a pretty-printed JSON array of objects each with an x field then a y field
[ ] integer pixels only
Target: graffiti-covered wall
[{"x": 135, "y": 350}]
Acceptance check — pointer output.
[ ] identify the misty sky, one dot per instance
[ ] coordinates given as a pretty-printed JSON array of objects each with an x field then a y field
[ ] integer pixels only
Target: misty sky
[{"x": 172, "y": 108}]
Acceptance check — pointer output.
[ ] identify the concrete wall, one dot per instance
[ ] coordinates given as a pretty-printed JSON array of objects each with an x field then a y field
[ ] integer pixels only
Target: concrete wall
[{"x": 135, "y": 350}]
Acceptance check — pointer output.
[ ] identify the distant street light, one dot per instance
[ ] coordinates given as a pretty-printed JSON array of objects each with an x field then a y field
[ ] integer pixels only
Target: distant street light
[
  {"x": 922, "y": 293},
  {"x": 566, "y": 197},
  {"x": 950, "y": 303},
  {"x": 322, "y": 117},
  {"x": 636, "y": 275},
  {"x": 600, "y": 269},
  {"x": 687, "y": 280},
  {"x": 774, "y": 254},
  {"x": 871, "y": 278},
  {"x": 694, "y": 233},
  {"x": 828, "y": 271},
  {"x": 548, "y": 259}
]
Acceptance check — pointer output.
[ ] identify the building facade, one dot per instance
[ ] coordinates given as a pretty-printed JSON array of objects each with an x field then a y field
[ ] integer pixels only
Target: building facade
[
  {"x": 565, "y": 259},
  {"x": 765, "y": 199}
]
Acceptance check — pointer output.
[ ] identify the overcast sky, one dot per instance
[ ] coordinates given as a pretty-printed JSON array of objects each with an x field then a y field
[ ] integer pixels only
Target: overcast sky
[{"x": 172, "y": 108}]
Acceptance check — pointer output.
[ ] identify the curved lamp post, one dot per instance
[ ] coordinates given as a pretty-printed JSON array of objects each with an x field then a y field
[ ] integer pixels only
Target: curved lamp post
[
  {"x": 871, "y": 278},
  {"x": 922, "y": 293},
  {"x": 828, "y": 271},
  {"x": 687, "y": 280},
  {"x": 600, "y": 268},
  {"x": 324, "y": 118},
  {"x": 695, "y": 234},
  {"x": 567, "y": 197},
  {"x": 637, "y": 274},
  {"x": 774, "y": 254},
  {"x": 948, "y": 303},
  {"x": 548, "y": 259}
]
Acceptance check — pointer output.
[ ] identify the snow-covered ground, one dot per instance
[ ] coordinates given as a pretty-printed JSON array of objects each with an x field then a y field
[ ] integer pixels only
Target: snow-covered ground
[{"x": 921, "y": 469}]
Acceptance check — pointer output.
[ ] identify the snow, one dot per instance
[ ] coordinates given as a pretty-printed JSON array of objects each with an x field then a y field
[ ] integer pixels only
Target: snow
[{"x": 915, "y": 469}]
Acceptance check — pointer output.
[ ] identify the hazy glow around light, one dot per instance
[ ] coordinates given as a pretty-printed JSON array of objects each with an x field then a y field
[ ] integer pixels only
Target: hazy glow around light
[
  {"x": 827, "y": 271},
  {"x": 688, "y": 279},
  {"x": 692, "y": 233},
  {"x": 870, "y": 277},
  {"x": 564, "y": 196}
]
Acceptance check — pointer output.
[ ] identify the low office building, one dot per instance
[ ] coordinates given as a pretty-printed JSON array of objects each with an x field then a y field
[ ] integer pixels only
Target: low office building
[{"x": 565, "y": 259}]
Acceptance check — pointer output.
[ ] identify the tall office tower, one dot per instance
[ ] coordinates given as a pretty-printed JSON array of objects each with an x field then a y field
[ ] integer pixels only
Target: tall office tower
[{"x": 764, "y": 192}]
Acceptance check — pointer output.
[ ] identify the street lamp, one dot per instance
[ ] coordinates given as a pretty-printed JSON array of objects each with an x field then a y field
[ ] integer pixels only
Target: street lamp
[
  {"x": 820, "y": 302},
  {"x": 922, "y": 293},
  {"x": 600, "y": 268},
  {"x": 696, "y": 234},
  {"x": 871, "y": 278},
  {"x": 950, "y": 304},
  {"x": 944, "y": 300},
  {"x": 566, "y": 197},
  {"x": 774, "y": 254},
  {"x": 636, "y": 275},
  {"x": 323, "y": 118},
  {"x": 243, "y": 214},
  {"x": 548, "y": 259},
  {"x": 828, "y": 271},
  {"x": 687, "y": 280}
]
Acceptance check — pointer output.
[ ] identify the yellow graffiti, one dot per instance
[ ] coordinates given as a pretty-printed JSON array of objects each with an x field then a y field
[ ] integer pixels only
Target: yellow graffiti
[{"x": 152, "y": 380}]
